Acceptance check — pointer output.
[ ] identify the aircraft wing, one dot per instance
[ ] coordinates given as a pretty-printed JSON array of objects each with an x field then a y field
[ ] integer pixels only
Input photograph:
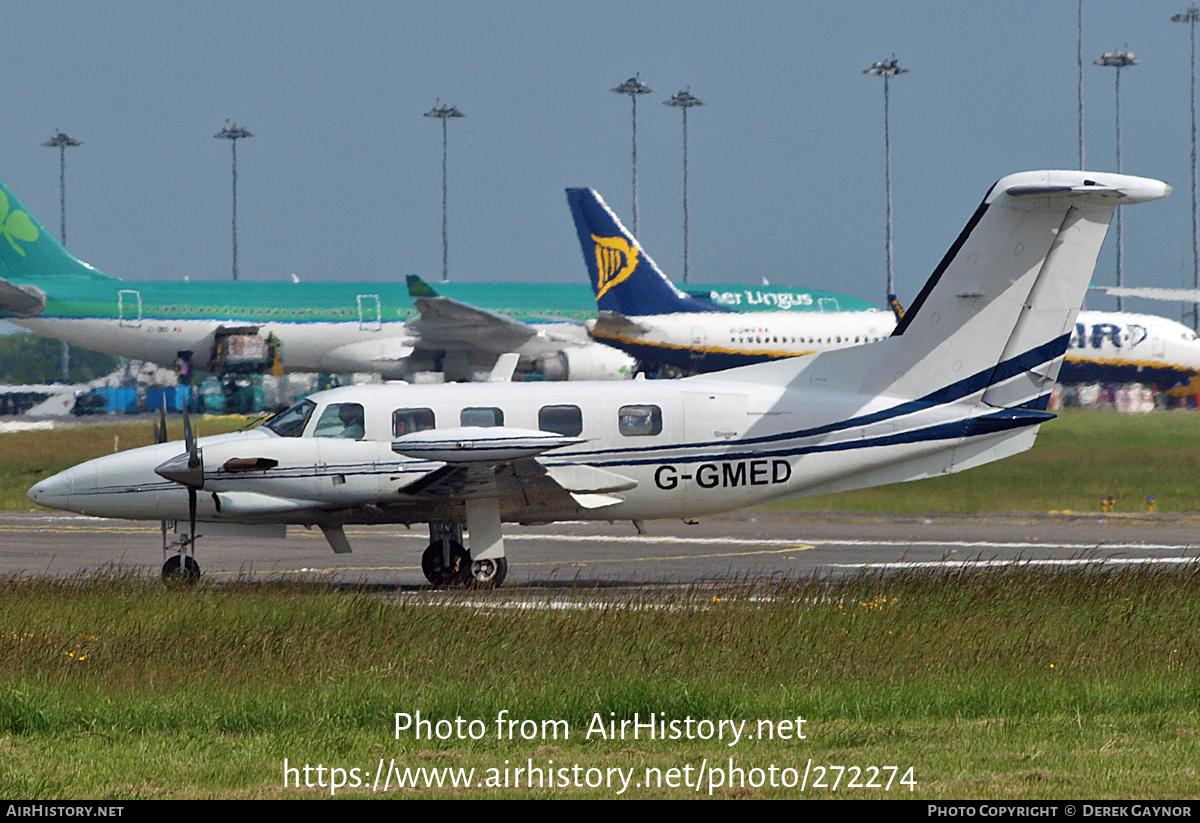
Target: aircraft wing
[
  {"x": 502, "y": 464},
  {"x": 538, "y": 486},
  {"x": 27, "y": 302},
  {"x": 449, "y": 324}
]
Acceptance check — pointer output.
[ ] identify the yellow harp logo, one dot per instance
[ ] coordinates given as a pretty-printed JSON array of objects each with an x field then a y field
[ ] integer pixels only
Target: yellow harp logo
[{"x": 615, "y": 261}]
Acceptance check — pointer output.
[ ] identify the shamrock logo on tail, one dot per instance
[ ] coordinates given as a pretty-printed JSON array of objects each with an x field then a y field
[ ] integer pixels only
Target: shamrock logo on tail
[{"x": 16, "y": 226}]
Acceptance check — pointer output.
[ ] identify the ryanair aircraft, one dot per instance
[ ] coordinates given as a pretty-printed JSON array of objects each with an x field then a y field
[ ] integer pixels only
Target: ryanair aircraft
[
  {"x": 963, "y": 380},
  {"x": 645, "y": 315}
]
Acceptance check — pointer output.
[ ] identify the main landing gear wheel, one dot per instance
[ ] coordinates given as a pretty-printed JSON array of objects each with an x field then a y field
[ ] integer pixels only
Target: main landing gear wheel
[
  {"x": 438, "y": 572},
  {"x": 488, "y": 574},
  {"x": 171, "y": 573}
]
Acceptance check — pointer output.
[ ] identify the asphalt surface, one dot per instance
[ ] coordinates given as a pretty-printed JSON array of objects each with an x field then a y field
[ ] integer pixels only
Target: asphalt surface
[{"x": 748, "y": 546}]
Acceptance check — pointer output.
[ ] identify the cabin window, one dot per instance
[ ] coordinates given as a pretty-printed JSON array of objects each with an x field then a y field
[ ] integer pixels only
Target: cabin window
[
  {"x": 407, "y": 421},
  {"x": 290, "y": 422},
  {"x": 344, "y": 420},
  {"x": 640, "y": 421},
  {"x": 481, "y": 416},
  {"x": 566, "y": 420}
]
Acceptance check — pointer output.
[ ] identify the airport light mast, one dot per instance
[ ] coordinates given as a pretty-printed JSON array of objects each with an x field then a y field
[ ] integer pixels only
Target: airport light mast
[
  {"x": 1079, "y": 60},
  {"x": 233, "y": 133},
  {"x": 1191, "y": 16},
  {"x": 62, "y": 142},
  {"x": 444, "y": 113},
  {"x": 633, "y": 87},
  {"x": 1119, "y": 60},
  {"x": 887, "y": 69},
  {"x": 684, "y": 101}
]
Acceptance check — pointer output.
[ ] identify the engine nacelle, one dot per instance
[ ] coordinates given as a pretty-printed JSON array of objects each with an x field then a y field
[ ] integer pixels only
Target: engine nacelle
[{"x": 594, "y": 362}]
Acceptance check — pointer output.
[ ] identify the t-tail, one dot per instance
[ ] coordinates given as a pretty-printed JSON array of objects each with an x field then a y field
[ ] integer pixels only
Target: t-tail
[
  {"x": 28, "y": 251},
  {"x": 992, "y": 323},
  {"x": 625, "y": 279}
]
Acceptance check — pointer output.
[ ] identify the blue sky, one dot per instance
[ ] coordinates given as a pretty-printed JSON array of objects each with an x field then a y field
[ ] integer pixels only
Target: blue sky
[{"x": 343, "y": 178}]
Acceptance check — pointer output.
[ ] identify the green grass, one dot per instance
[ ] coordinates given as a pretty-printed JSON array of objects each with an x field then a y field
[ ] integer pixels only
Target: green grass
[{"x": 1006, "y": 684}]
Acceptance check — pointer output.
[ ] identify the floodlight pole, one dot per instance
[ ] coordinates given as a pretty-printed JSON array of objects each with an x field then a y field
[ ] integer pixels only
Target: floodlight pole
[
  {"x": 1190, "y": 17},
  {"x": 1079, "y": 60},
  {"x": 234, "y": 133},
  {"x": 633, "y": 87},
  {"x": 1119, "y": 60},
  {"x": 61, "y": 142},
  {"x": 684, "y": 101},
  {"x": 887, "y": 69},
  {"x": 444, "y": 113}
]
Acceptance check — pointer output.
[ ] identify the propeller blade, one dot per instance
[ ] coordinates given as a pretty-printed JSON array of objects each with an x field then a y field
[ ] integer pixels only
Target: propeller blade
[
  {"x": 190, "y": 439},
  {"x": 160, "y": 425}
]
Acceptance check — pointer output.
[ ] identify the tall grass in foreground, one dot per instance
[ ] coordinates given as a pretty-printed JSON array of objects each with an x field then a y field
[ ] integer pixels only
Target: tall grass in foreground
[
  {"x": 943, "y": 657},
  {"x": 958, "y": 644}
]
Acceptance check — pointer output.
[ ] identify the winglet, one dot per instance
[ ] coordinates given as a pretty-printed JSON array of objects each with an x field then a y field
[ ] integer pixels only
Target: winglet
[{"x": 418, "y": 287}]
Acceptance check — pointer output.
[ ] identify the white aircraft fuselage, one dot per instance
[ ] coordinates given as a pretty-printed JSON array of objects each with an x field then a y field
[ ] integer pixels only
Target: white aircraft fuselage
[{"x": 705, "y": 446}]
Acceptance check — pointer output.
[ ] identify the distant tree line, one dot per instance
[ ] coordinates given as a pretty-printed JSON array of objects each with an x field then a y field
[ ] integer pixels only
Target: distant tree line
[{"x": 26, "y": 357}]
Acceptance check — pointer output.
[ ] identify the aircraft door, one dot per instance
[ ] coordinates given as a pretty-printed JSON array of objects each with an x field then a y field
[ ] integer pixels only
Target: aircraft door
[
  {"x": 710, "y": 417},
  {"x": 698, "y": 341},
  {"x": 712, "y": 420},
  {"x": 370, "y": 314},
  {"x": 129, "y": 308}
]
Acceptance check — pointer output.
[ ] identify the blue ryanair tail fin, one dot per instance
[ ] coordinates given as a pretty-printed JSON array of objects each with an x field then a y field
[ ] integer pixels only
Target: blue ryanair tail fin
[{"x": 625, "y": 279}]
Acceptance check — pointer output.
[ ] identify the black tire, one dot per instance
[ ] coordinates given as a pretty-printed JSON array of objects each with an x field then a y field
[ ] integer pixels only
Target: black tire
[
  {"x": 171, "y": 572},
  {"x": 488, "y": 574},
  {"x": 437, "y": 573}
]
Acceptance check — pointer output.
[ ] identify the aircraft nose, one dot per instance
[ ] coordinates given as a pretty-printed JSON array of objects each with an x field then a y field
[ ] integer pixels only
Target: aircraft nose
[{"x": 54, "y": 492}]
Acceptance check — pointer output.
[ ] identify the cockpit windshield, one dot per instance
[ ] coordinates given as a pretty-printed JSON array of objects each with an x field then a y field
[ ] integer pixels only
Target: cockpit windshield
[{"x": 290, "y": 422}]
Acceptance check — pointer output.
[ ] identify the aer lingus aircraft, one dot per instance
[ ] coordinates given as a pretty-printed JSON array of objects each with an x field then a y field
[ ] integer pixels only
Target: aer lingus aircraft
[
  {"x": 644, "y": 314},
  {"x": 963, "y": 380},
  {"x": 327, "y": 327}
]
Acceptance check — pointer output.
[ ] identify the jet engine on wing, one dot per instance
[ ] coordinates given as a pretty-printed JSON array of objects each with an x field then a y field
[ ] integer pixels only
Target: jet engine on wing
[{"x": 584, "y": 363}]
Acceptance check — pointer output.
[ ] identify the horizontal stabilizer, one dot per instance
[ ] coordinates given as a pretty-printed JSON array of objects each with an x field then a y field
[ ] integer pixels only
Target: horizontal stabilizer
[
  {"x": 1150, "y": 293},
  {"x": 21, "y": 302}
]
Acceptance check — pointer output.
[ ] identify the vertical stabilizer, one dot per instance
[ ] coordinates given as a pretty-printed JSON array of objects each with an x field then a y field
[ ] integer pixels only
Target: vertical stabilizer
[
  {"x": 625, "y": 279},
  {"x": 994, "y": 319},
  {"x": 27, "y": 249}
]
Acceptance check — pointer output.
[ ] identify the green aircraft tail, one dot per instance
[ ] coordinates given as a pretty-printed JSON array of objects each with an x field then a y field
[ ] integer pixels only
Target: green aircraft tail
[{"x": 27, "y": 249}]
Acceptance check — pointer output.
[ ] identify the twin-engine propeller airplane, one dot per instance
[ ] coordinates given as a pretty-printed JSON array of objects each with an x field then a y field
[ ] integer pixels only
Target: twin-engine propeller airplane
[{"x": 962, "y": 381}]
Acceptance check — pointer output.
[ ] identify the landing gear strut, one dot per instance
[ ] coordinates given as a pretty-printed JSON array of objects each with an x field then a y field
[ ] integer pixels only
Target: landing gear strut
[
  {"x": 446, "y": 565},
  {"x": 180, "y": 565},
  {"x": 445, "y": 562}
]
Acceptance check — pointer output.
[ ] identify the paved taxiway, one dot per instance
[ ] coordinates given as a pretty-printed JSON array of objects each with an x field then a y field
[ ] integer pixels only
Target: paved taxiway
[{"x": 743, "y": 546}]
